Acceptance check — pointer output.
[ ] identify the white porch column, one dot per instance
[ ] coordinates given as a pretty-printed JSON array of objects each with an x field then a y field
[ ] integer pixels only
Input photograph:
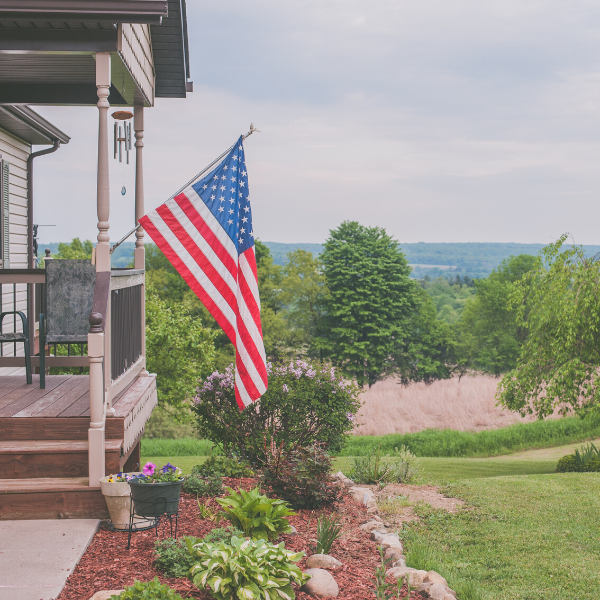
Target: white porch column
[
  {"x": 138, "y": 126},
  {"x": 103, "y": 189},
  {"x": 96, "y": 432},
  {"x": 140, "y": 251}
]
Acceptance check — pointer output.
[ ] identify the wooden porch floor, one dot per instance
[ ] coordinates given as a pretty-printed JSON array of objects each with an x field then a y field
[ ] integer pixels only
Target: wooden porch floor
[{"x": 65, "y": 396}]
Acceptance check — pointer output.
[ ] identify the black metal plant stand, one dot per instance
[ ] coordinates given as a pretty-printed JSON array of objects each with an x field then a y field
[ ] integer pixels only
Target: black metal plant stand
[{"x": 158, "y": 507}]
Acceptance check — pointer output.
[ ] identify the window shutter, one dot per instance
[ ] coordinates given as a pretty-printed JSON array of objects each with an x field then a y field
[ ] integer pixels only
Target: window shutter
[{"x": 5, "y": 217}]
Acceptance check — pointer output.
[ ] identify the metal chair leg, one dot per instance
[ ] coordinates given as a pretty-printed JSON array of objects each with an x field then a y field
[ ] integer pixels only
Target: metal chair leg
[
  {"x": 42, "y": 352},
  {"x": 28, "y": 362}
]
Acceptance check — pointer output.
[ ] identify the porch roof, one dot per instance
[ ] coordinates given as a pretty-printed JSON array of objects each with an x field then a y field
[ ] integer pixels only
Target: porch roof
[
  {"x": 27, "y": 125},
  {"x": 47, "y": 47}
]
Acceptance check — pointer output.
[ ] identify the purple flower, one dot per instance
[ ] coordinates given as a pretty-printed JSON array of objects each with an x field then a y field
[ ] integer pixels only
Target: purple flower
[
  {"x": 351, "y": 417},
  {"x": 169, "y": 467},
  {"x": 285, "y": 388},
  {"x": 148, "y": 469}
]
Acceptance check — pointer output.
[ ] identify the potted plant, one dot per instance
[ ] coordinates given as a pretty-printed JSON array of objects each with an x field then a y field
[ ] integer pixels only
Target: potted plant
[
  {"x": 156, "y": 491},
  {"x": 117, "y": 494}
]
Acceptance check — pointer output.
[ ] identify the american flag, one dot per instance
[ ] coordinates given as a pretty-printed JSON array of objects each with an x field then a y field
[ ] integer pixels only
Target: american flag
[{"x": 206, "y": 233}]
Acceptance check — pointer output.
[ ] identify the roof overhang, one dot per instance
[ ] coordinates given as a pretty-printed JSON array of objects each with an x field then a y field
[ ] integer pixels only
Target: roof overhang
[
  {"x": 108, "y": 11},
  {"x": 30, "y": 127}
]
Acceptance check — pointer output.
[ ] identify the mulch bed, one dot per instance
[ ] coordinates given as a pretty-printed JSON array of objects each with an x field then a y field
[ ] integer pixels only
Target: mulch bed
[{"x": 107, "y": 565}]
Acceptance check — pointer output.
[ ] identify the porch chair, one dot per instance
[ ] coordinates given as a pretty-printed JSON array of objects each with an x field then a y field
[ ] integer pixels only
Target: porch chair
[
  {"x": 18, "y": 336},
  {"x": 70, "y": 287}
]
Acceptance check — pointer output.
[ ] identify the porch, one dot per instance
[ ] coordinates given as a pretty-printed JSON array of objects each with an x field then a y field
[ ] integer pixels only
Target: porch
[{"x": 44, "y": 470}]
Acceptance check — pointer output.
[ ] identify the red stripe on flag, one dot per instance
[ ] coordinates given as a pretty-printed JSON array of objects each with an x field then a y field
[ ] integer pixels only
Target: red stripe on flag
[
  {"x": 189, "y": 278},
  {"x": 246, "y": 378},
  {"x": 250, "y": 301},
  {"x": 252, "y": 350},
  {"x": 188, "y": 243},
  {"x": 206, "y": 232}
]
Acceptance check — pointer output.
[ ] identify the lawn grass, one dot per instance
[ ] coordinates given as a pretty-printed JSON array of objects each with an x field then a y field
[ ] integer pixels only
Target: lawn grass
[
  {"x": 433, "y": 470},
  {"x": 490, "y": 442},
  {"x": 429, "y": 443},
  {"x": 521, "y": 538}
]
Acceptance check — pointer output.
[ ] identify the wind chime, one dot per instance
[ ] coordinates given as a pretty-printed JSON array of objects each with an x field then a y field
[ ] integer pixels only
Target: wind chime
[{"x": 122, "y": 138}]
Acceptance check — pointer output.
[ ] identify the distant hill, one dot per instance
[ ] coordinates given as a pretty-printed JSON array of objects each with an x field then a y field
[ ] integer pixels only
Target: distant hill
[{"x": 473, "y": 259}]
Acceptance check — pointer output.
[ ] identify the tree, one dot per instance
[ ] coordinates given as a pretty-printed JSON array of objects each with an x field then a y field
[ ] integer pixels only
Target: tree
[
  {"x": 304, "y": 293},
  {"x": 76, "y": 249},
  {"x": 489, "y": 338},
  {"x": 179, "y": 349},
  {"x": 556, "y": 302},
  {"x": 372, "y": 313}
]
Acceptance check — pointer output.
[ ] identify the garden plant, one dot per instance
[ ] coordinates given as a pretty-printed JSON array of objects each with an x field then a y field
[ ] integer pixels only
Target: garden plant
[
  {"x": 300, "y": 475},
  {"x": 246, "y": 569},
  {"x": 258, "y": 516},
  {"x": 148, "y": 590}
]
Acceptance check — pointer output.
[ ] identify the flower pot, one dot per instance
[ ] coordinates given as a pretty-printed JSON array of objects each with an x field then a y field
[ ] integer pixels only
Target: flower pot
[
  {"x": 155, "y": 499},
  {"x": 118, "y": 501}
]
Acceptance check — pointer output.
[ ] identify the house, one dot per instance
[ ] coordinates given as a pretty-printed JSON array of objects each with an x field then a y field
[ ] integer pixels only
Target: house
[{"x": 57, "y": 442}]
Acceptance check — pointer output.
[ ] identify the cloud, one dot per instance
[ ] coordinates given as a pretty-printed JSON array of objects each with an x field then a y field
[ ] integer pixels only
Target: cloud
[{"x": 462, "y": 121}]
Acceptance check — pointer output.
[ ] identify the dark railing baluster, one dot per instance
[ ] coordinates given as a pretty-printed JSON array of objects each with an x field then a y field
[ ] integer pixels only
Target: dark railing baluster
[{"x": 126, "y": 328}]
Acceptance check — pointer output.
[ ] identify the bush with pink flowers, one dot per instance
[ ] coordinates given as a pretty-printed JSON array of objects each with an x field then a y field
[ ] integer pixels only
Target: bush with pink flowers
[{"x": 305, "y": 403}]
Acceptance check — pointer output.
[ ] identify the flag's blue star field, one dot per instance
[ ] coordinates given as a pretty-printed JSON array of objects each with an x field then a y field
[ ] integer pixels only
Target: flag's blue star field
[{"x": 225, "y": 192}]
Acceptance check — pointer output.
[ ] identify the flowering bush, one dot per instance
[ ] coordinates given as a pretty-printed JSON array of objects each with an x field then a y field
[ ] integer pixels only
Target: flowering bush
[
  {"x": 304, "y": 404},
  {"x": 152, "y": 474}
]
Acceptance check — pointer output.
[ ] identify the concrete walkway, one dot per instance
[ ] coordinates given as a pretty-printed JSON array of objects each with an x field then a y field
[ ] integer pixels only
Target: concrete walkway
[{"x": 36, "y": 557}]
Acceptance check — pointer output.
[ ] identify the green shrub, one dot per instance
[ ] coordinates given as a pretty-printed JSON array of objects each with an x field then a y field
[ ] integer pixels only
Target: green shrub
[
  {"x": 304, "y": 404},
  {"x": 568, "y": 464},
  {"x": 300, "y": 476},
  {"x": 223, "y": 466},
  {"x": 211, "y": 486},
  {"x": 247, "y": 569},
  {"x": 173, "y": 557},
  {"x": 372, "y": 469},
  {"x": 593, "y": 466},
  {"x": 587, "y": 454},
  {"x": 148, "y": 590},
  {"x": 222, "y": 534},
  {"x": 256, "y": 515}
]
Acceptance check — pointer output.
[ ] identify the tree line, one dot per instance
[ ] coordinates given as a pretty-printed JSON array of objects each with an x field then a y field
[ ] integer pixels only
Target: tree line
[{"x": 534, "y": 320}]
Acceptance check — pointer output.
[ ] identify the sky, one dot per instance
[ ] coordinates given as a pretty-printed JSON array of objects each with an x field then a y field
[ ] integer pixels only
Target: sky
[{"x": 461, "y": 121}]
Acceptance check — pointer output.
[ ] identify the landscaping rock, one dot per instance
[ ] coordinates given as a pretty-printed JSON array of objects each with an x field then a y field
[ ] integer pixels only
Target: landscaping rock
[
  {"x": 401, "y": 562},
  {"x": 371, "y": 526},
  {"x": 391, "y": 541},
  {"x": 346, "y": 481},
  {"x": 435, "y": 591},
  {"x": 378, "y": 534},
  {"x": 105, "y": 594},
  {"x": 293, "y": 531},
  {"x": 450, "y": 592},
  {"x": 362, "y": 495},
  {"x": 323, "y": 561},
  {"x": 392, "y": 554},
  {"x": 415, "y": 577},
  {"x": 321, "y": 584},
  {"x": 433, "y": 577}
]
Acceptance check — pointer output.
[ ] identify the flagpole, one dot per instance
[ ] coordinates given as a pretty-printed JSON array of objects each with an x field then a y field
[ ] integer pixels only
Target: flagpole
[{"x": 212, "y": 164}]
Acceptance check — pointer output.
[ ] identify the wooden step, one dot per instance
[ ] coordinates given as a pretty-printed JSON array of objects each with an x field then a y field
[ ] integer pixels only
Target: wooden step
[
  {"x": 38, "y": 428},
  {"x": 51, "y": 498},
  {"x": 53, "y": 458}
]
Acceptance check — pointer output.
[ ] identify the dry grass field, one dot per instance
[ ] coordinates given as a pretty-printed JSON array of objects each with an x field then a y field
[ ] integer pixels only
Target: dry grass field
[{"x": 466, "y": 405}]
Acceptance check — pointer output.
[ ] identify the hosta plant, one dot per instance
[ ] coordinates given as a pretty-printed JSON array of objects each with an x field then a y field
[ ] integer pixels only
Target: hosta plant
[
  {"x": 258, "y": 516},
  {"x": 247, "y": 569}
]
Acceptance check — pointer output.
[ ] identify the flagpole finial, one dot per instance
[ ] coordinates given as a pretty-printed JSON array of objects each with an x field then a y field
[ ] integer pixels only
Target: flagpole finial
[{"x": 252, "y": 130}]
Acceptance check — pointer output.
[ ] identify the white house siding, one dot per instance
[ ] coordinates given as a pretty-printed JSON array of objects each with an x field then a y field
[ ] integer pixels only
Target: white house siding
[{"x": 15, "y": 151}]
